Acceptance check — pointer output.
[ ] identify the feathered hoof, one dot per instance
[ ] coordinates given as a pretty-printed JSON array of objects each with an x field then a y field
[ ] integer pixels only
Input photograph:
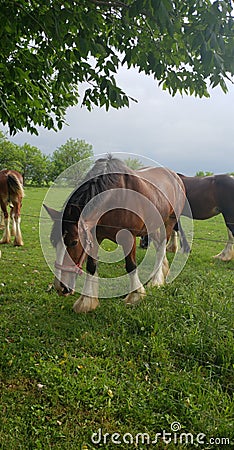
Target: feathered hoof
[
  {"x": 18, "y": 243},
  {"x": 85, "y": 304},
  {"x": 156, "y": 281},
  {"x": 5, "y": 241},
  {"x": 133, "y": 298},
  {"x": 225, "y": 257}
]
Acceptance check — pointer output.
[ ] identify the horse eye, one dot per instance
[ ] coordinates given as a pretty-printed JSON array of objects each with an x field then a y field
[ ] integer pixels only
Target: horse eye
[{"x": 73, "y": 243}]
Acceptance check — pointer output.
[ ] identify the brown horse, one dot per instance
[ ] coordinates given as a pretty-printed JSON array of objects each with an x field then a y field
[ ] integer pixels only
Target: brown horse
[
  {"x": 112, "y": 199},
  {"x": 208, "y": 197},
  {"x": 11, "y": 193}
]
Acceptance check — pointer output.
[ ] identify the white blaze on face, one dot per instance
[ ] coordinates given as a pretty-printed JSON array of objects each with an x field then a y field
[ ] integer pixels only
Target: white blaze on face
[
  {"x": 65, "y": 277},
  {"x": 60, "y": 253}
]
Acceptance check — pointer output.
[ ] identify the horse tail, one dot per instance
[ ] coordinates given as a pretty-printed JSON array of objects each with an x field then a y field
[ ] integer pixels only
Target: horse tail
[{"x": 14, "y": 186}]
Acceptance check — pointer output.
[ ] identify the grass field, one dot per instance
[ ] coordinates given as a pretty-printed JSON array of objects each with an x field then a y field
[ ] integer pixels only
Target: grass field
[{"x": 67, "y": 380}]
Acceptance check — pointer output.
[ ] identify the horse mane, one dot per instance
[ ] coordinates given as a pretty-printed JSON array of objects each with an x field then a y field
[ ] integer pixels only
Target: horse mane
[{"x": 104, "y": 175}]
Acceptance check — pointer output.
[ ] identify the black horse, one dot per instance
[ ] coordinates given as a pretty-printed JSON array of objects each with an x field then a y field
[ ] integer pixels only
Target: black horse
[{"x": 207, "y": 197}]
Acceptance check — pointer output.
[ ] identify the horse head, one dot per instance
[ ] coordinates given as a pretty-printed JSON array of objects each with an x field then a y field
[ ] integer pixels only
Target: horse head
[{"x": 72, "y": 239}]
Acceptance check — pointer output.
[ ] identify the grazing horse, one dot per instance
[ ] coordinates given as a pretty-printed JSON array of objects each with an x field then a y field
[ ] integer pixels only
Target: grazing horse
[
  {"x": 11, "y": 193},
  {"x": 208, "y": 197},
  {"x": 113, "y": 199}
]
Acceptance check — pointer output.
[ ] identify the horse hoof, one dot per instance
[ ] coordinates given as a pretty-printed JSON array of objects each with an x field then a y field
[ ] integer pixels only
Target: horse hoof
[
  {"x": 156, "y": 282},
  {"x": 224, "y": 258},
  {"x": 5, "y": 241},
  {"x": 18, "y": 243},
  {"x": 85, "y": 304},
  {"x": 133, "y": 298}
]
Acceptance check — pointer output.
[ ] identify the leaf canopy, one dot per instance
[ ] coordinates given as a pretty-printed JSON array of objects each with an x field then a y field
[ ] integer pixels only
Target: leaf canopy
[{"x": 49, "y": 48}]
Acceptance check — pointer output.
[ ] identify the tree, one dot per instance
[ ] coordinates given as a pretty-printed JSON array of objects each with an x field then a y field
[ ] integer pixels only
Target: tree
[
  {"x": 34, "y": 165},
  {"x": 28, "y": 160},
  {"x": 9, "y": 154},
  {"x": 48, "y": 48},
  {"x": 73, "y": 151},
  {"x": 200, "y": 173},
  {"x": 133, "y": 163}
]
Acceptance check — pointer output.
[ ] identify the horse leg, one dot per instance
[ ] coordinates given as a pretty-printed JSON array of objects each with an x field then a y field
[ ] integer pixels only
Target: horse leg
[
  {"x": 18, "y": 241},
  {"x": 227, "y": 254},
  {"x": 88, "y": 301},
  {"x": 6, "y": 239},
  {"x": 161, "y": 266},
  {"x": 172, "y": 245},
  {"x": 137, "y": 290},
  {"x": 13, "y": 223},
  {"x": 2, "y": 225},
  {"x": 185, "y": 247},
  {"x": 160, "y": 239},
  {"x": 144, "y": 241}
]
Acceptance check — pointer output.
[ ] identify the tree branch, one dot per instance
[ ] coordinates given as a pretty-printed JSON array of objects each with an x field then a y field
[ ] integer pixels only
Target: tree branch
[{"x": 115, "y": 4}]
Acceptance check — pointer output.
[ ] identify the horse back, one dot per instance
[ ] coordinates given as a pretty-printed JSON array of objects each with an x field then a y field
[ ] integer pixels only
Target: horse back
[
  {"x": 167, "y": 188},
  {"x": 209, "y": 196}
]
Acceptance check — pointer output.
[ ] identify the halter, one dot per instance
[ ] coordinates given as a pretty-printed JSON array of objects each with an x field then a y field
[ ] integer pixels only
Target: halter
[{"x": 75, "y": 268}]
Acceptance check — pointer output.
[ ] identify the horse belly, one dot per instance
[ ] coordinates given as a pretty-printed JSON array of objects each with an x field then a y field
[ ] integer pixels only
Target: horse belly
[{"x": 204, "y": 213}]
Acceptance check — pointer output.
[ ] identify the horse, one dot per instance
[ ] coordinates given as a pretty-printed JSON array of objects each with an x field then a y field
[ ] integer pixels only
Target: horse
[
  {"x": 11, "y": 193},
  {"x": 110, "y": 199},
  {"x": 207, "y": 196}
]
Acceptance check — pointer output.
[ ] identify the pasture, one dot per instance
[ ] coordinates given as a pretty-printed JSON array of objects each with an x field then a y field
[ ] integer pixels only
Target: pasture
[{"x": 120, "y": 370}]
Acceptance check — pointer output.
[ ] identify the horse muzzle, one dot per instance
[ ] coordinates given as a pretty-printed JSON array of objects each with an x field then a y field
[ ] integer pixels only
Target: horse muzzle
[
  {"x": 62, "y": 289},
  {"x": 65, "y": 291},
  {"x": 65, "y": 285}
]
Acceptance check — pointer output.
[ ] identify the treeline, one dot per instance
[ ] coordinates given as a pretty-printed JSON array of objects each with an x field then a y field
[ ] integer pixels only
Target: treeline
[
  {"x": 207, "y": 174},
  {"x": 37, "y": 168}
]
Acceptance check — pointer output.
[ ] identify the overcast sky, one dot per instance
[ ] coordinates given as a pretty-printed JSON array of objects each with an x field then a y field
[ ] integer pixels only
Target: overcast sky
[{"x": 185, "y": 134}]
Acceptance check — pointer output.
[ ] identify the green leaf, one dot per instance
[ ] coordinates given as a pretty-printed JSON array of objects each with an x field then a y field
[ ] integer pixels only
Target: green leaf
[{"x": 48, "y": 48}]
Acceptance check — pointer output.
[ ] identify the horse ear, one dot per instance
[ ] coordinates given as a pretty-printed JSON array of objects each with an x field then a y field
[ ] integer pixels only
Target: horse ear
[{"x": 55, "y": 215}]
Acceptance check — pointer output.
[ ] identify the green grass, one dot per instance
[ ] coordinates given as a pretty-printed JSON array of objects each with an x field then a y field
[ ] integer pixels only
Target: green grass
[{"x": 122, "y": 370}]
